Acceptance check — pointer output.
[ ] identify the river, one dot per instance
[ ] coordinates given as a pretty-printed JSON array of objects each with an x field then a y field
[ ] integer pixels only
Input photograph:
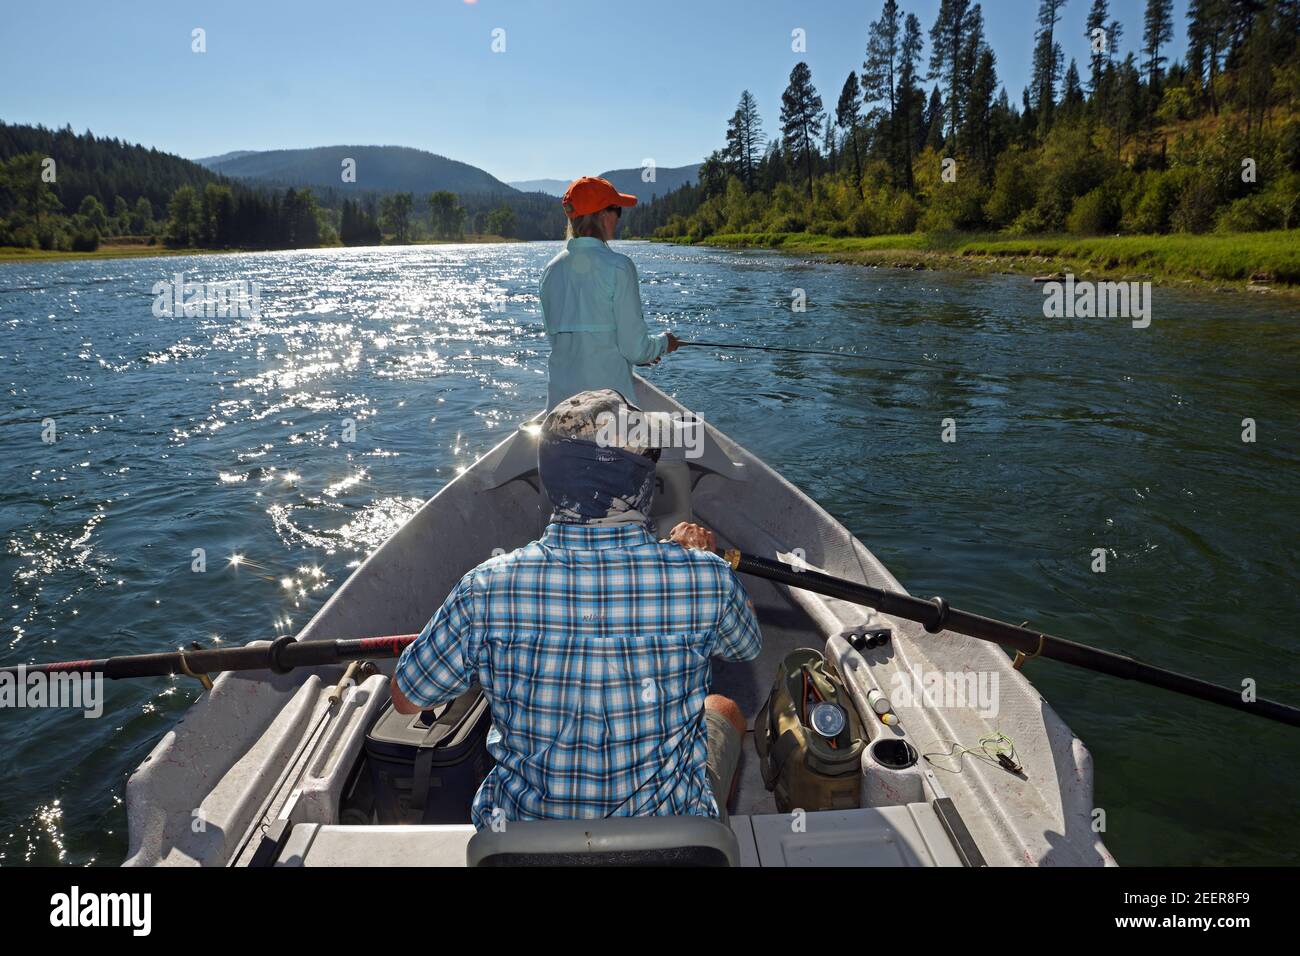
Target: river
[{"x": 174, "y": 434}]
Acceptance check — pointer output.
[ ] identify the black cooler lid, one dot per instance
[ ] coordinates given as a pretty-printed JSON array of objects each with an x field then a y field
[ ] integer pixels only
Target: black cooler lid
[{"x": 447, "y": 725}]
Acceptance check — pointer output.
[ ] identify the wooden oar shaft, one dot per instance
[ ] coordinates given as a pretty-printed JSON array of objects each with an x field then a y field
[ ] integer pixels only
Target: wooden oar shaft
[
  {"x": 937, "y": 616},
  {"x": 281, "y": 655}
]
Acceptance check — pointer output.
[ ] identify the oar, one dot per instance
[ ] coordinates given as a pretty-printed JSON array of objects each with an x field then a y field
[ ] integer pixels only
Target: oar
[
  {"x": 937, "y": 615},
  {"x": 285, "y": 653},
  {"x": 280, "y": 656}
]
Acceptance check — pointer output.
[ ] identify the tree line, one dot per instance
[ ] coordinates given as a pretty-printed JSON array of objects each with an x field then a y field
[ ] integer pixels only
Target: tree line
[
  {"x": 1130, "y": 142},
  {"x": 67, "y": 191}
]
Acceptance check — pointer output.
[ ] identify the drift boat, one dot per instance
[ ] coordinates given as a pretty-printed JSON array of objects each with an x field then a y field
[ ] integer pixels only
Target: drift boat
[{"x": 266, "y": 768}]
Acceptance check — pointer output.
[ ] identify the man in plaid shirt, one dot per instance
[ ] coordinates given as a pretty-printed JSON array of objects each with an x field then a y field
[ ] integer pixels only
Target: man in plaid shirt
[{"x": 593, "y": 645}]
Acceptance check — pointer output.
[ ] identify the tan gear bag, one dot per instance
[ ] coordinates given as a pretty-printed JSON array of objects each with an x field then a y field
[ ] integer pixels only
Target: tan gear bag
[{"x": 810, "y": 737}]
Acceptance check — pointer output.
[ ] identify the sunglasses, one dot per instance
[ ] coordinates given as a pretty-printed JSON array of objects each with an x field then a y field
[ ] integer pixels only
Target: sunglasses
[{"x": 616, "y": 210}]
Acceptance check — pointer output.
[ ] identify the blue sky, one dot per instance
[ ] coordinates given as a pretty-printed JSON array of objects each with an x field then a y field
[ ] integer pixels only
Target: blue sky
[{"x": 582, "y": 86}]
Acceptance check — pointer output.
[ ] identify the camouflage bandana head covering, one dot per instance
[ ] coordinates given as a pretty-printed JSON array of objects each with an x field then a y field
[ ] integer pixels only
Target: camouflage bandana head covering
[{"x": 591, "y": 473}]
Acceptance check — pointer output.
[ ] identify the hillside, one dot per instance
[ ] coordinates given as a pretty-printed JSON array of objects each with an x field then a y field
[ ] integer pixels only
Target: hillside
[
  {"x": 210, "y": 161},
  {"x": 552, "y": 187},
  {"x": 1128, "y": 143},
  {"x": 625, "y": 180},
  {"x": 667, "y": 178},
  {"x": 103, "y": 167},
  {"x": 378, "y": 169}
]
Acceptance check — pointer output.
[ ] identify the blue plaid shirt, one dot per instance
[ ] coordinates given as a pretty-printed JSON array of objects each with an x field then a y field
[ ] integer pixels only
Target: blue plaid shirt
[{"x": 592, "y": 646}]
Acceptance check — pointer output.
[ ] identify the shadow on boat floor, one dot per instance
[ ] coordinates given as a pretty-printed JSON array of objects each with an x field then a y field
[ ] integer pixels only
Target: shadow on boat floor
[{"x": 784, "y": 627}]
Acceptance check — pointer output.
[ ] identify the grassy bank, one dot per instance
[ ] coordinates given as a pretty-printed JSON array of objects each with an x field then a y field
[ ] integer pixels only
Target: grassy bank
[
  {"x": 106, "y": 251},
  {"x": 1272, "y": 259},
  {"x": 112, "y": 250}
]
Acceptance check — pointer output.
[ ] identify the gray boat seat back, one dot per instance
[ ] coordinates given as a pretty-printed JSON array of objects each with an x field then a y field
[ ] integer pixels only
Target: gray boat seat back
[
  {"x": 672, "y": 500},
  {"x": 616, "y": 841}
]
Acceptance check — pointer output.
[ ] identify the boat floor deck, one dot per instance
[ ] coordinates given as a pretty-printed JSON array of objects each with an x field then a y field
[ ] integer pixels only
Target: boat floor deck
[{"x": 748, "y": 683}]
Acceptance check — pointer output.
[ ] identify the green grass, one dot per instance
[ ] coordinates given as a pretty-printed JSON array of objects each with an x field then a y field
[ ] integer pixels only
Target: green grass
[
  {"x": 812, "y": 242},
  {"x": 136, "y": 250},
  {"x": 26, "y": 254},
  {"x": 1214, "y": 259},
  {"x": 1233, "y": 258}
]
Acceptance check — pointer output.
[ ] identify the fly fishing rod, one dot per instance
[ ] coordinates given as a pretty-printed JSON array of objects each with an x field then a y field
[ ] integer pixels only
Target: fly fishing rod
[
  {"x": 937, "y": 615},
  {"x": 780, "y": 348},
  {"x": 930, "y": 366}
]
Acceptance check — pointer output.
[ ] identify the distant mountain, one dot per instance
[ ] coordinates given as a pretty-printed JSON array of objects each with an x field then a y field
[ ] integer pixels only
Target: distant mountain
[
  {"x": 667, "y": 178},
  {"x": 552, "y": 187},
  {"x": 379, "y": 168},
  {"x": 625, "y": 180},
  {"x": 211, "y": 161}
]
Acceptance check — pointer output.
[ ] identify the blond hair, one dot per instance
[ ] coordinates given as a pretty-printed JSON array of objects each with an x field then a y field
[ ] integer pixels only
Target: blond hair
[{"x": 588, "y": 225}]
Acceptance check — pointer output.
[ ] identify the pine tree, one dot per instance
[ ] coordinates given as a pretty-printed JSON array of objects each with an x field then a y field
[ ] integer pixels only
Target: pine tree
[
  {"x": 801, "y": 119},
  {"x": 935, "y": 118},
  {"x": 1072, "y": 97},
  {"x": 1128, "y": 102},
  {"x": 1047, "y": 61},
  {"x": 848, "y": 118},
  {"x": 745, "y": 139},
  {"x": 1158, "y": 29},
  {"x": 977, "y": 134},
  {"x": 1208, "y": 33},
  {"x": 911, "y": 98},
  {"x": 1028, "y": 118},
  {"x": 972, "y": 48},
  {"x": 1099, "y": 43},
  {"x": 1262, "y": 47},
  {"x": 947, "y": 37},
  {"x": 882, "y": 53},
  {"x": 347, "y": 222}
]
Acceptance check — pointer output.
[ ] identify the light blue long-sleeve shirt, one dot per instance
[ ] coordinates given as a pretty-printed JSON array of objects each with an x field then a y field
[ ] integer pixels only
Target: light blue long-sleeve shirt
[{"x": 591, "y": 303}]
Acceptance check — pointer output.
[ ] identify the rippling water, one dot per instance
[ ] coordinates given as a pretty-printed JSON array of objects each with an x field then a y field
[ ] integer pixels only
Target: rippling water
[{"x": 175, "y": 434}]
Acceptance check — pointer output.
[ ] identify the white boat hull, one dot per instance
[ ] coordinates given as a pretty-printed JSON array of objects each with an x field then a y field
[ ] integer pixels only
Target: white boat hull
[{"x": 260, "y": 747}]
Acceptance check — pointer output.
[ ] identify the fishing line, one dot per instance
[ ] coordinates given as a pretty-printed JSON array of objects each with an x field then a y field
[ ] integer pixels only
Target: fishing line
[
  {"x": 996, "y": 748},
  {"x": 795, "y": 351},
  {"x": 930, "y": 366}
]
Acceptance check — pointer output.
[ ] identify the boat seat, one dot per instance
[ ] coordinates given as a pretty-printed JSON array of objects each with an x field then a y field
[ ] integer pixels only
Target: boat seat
[
  {"x": 672, "y": 499},
  {"x": 617, "y": 841}
]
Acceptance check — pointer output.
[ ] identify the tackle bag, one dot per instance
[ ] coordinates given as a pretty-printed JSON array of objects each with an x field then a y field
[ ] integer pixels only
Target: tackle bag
[{"x": 810, "y": 737}]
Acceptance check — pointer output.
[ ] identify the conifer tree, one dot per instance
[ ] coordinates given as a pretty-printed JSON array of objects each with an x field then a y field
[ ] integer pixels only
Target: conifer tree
[{"x": 801, "y": 119}]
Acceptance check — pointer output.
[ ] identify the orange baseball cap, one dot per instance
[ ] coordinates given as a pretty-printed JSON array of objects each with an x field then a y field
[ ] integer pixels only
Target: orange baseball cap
[{"x": 592, "y": 194}]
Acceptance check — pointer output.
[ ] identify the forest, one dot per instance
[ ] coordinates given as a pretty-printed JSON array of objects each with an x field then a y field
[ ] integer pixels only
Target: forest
[
  {"x": 924, "y": 141},
  {"x": 67, "y": 191}
]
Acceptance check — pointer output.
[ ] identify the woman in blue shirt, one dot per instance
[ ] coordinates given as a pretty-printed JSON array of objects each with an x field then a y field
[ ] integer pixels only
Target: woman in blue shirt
[{"x": 591, "y": 302}]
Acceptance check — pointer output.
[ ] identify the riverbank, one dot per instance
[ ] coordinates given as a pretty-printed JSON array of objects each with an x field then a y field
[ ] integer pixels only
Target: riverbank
[
  {"x": 136, "y": 250},
  {"x": 1258, "y": 262}
]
